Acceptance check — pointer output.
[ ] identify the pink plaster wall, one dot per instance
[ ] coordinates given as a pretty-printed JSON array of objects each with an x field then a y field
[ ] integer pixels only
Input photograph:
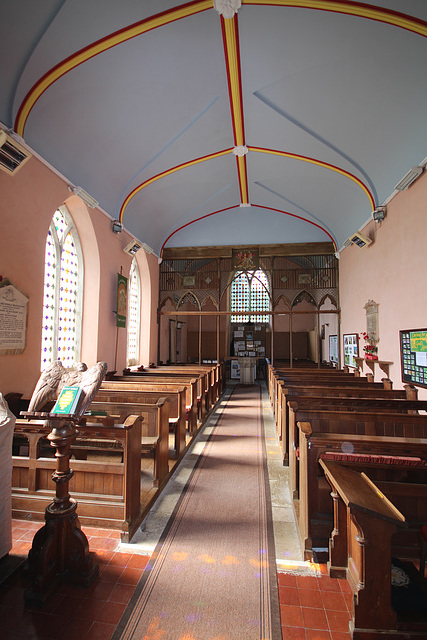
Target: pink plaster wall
[
  {"x": 29, "y": 199},
  {"x": 391, "y": 272}
]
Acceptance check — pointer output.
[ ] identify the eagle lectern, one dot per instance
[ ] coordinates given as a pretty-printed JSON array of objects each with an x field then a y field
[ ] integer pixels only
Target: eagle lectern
[{"x": 60, "y": 550}]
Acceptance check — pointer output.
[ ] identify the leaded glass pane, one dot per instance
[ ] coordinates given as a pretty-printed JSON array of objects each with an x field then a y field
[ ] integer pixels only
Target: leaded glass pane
[
  {"x": 50, "y": 279},
  {"x": 240, "y": 296},
  {"x": 133, "y": 316},
  {"x": 60, "y": 336},
  {"x": 260, "y": 300},
  {"x": 68, "y": 291},
  {"x": 250, "y": 292}
]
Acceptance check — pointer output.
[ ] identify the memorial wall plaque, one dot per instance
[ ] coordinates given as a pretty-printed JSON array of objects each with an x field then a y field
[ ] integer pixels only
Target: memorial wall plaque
[{"x": 13, "y": 320}]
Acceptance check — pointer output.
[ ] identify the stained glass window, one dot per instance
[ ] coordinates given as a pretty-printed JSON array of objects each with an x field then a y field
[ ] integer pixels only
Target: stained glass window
[
  {"x": 250, "y": 292},
  {"x": 63, "y": 276},
  {"x": 134, "y": 314}
]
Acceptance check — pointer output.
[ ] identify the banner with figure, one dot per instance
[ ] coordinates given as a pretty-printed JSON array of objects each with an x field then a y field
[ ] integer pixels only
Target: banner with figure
[{"x": 122, "y": 297}]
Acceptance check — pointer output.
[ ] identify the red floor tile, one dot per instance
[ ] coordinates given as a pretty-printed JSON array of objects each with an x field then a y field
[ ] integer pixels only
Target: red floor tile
[
  {"x": 314, "y": 618},
  {"x": 138, "y": 561},
  {"x": 121, "y": 593},
  {"x": 334, "y": 601},
  {"x": 287, "y": 580},
  {"x": 308, "y": 582},
  {"x": 121, "y": 559},
  {"x": 291, "y": 616},
  {"x": 311, "y": 598},
  {"x": 100, "y": 631},
  {"x": 130, "y": 576},
  {"x": 288, "y": 595},
  {"x": 338, "y": 620},
  {"x": 329, "y": 584},
  {"x": 293, "y": 633}
]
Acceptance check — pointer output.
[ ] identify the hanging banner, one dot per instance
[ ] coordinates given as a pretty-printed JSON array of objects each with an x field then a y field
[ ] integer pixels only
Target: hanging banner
[{"x": 122, "y": 300}]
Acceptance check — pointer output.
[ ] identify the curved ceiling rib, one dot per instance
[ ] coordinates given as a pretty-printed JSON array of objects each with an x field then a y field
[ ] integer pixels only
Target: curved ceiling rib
[
  {"x": 231, "y": 51},
  {"x": 259, "y": 206},
  {"x": 100, "y": 46},
  {"x": 369, "y": 12},
  {"x": 347, "y": 7}
]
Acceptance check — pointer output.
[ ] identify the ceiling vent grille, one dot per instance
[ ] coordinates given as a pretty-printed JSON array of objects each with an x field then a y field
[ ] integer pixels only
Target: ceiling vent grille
[{"x": 12, "y": 154}]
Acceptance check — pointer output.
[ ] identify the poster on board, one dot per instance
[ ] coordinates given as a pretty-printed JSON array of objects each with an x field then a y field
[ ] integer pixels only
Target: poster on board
[
  {"x": 413, "y": 356},
  {"x": 333, "y": 349},
  {"x": 351, "y": 349}
]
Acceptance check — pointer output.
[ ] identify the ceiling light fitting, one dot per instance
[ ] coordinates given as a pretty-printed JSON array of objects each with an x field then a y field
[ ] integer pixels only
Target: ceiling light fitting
[
  {"x": 87, "y": 199},
  {"x": 379, "y": 214},
  {"x": 132, "y": 247},
  {"x": 410, "y": 177},
  {"x": 117, "y": 226}
]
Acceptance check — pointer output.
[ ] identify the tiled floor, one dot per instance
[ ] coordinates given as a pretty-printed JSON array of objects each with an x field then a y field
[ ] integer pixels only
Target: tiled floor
[{"x": 313, "y": 607}]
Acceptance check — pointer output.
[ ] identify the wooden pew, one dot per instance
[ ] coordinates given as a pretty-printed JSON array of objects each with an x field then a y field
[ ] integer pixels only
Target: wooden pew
[
  {"x": 317, "y": 388},
  {"x": 360, "y": 545},
  {"x": 208, "y": 375},
  {"x": 294, "y": 393},
  {"x": 196, "y": 394},
  {"x": 108, "y": 492},
  {"x": 365, "y": 522},
  {"x": 127, "y": 392},
  {"x": 156, "y": 417},
  {"x": 401, "y": 437}
]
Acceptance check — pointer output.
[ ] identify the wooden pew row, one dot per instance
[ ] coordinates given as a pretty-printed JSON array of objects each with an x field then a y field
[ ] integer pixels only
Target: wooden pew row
[
  {"x": 195, "y": 382},
  {"x": 320, "y": 378},
  {"x": 128, "y": 392},
  {"x": 317, "y": 387},
  {"x": 291, "y": 393},
  {"x": 402, "y": 438},
  {"x": 275, "y": 374},
  {"x": 359, "y": 404},
  {"x": 215, "y": 371},
  {"x": 210, "y": 375},
  {"x": 108, "y": 492}
]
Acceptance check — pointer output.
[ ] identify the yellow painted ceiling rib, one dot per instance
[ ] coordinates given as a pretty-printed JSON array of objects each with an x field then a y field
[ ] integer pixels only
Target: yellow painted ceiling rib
[
  {"x": 380, "y": 14},
  {"x": 320, "y": 163},
  {"x": 230, "y": 34},
  {"x": 100, "y": 46},
  {"x": 168, "y": 172}
]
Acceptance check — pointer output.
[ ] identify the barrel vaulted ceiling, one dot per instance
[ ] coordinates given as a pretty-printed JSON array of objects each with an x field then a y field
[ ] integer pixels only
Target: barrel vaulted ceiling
[{"x": 290, "y": 121}]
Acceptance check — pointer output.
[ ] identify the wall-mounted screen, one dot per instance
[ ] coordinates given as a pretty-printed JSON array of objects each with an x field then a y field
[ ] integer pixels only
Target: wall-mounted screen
[{"x": 413, "y": 356}]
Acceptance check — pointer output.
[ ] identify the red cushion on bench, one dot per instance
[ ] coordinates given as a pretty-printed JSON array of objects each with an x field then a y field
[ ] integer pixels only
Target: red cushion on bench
[{"x": 373, "y": 458}]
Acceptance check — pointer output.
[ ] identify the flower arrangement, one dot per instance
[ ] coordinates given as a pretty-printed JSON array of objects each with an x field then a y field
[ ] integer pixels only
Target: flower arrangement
[{"x": 370, "y": 347}]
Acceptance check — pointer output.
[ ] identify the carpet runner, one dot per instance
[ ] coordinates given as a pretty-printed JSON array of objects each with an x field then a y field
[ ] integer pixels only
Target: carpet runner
[{"x": 213, "y": 573}]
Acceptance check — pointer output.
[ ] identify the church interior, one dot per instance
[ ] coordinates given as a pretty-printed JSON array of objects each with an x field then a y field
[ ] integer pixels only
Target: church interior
[{"x": 213, "y": 327}]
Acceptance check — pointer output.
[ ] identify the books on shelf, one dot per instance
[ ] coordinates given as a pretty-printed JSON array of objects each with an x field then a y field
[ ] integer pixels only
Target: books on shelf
[{"x": 67, "y": 401}]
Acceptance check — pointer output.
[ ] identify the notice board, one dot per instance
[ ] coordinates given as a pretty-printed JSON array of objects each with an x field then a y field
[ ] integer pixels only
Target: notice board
[{"x": 413, "y": 356}]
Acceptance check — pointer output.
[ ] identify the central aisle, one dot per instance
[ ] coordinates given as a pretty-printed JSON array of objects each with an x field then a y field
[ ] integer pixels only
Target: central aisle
[{"x": 213, "y": 572}]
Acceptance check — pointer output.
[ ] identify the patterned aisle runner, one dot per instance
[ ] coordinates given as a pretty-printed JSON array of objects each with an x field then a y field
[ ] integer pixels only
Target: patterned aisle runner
[{"x": 213, "y": 573}]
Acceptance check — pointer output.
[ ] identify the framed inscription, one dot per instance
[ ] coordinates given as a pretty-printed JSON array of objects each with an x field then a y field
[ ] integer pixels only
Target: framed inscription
[{"x": 13, "y": 320}]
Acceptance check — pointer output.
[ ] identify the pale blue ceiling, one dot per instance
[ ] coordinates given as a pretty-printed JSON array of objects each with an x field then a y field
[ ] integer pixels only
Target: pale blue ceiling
[{"x": 344, "y": 90}]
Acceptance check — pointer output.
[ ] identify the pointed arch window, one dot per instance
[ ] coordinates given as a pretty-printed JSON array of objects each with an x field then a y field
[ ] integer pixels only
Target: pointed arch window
[
  {"x": 134, "y": 315},
  {"x": 62, "y": 296},
  {"x": 250, "y": 291}
]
